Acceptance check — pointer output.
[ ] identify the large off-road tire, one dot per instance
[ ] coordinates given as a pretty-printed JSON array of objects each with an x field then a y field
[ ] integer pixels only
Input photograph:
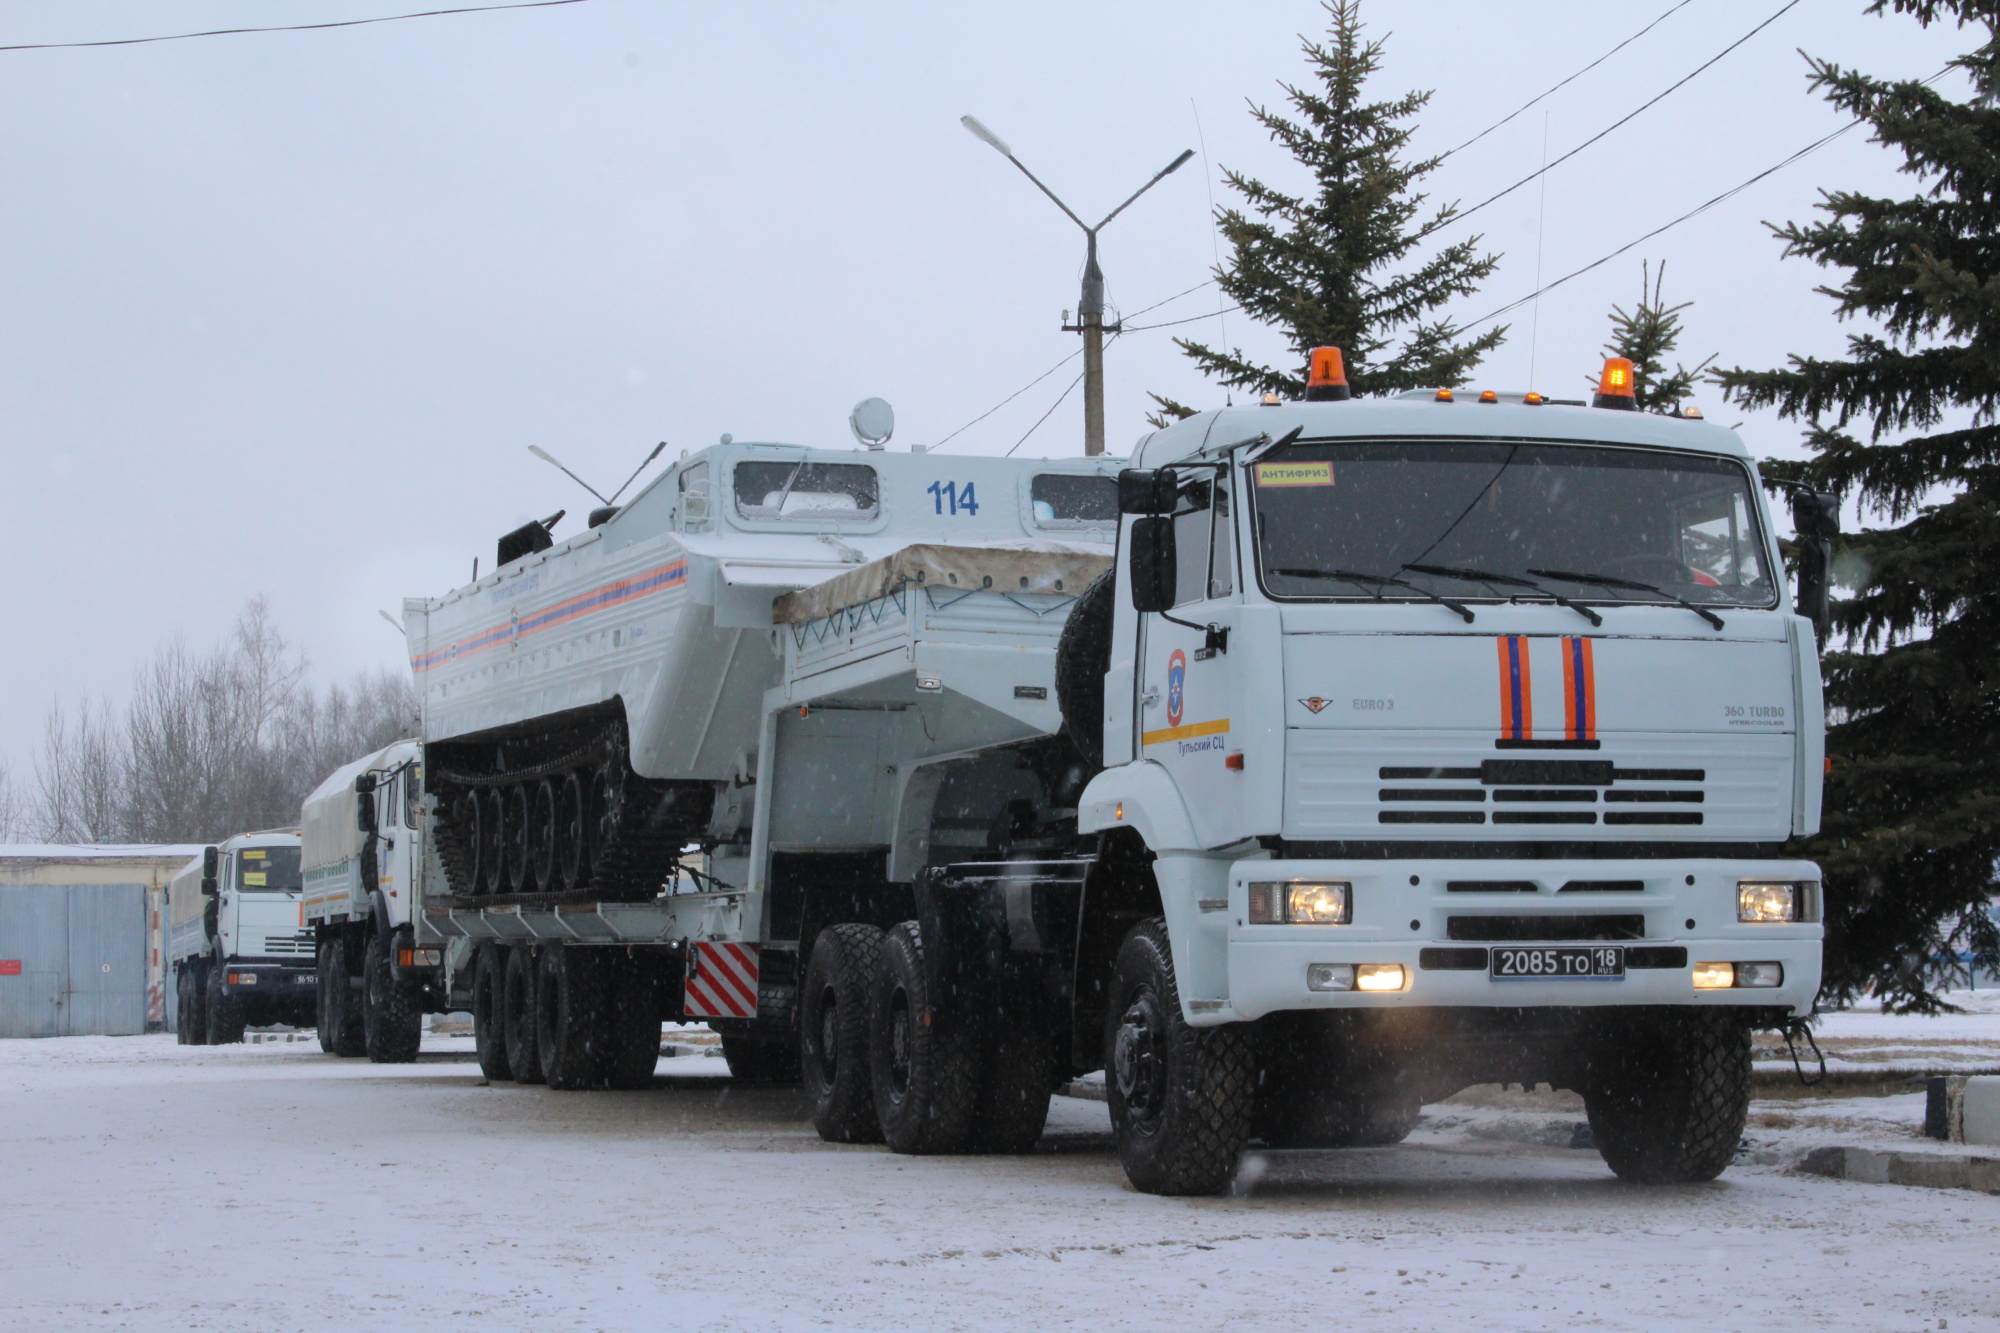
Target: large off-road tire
[
  {"x": 339, "y": 1002},
  {"x": 833, "y": 1033},
  {"x": 489, "y": 1022},
  {"x": 1083, "y": 655},
  {"x": 773, "y": 1061},
  {"x": 1180, "y": 1097},
  {"x": 1367, "y": 1112},
  {"x": 1667, "y": 1096},
  {"x": 224, "y": 1011},
  {"x": 190, "y": 1021},
  {"x": 631, "y": 1025},
  {"x": 570, "y": 1018},
  {"x": 517, "y": 1012},
  {"x": 393, "y": 1013},
  {"x": 924, "y": 1073}
]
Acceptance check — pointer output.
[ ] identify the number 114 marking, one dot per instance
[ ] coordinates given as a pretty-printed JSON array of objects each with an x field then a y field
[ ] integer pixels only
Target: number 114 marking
[{"x": 961, "y": 498}]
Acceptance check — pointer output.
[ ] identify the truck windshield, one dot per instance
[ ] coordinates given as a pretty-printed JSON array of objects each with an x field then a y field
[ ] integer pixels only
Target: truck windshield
[
  {"x": 268, "y": 870},
  {"x": 1590, "y": 522}
]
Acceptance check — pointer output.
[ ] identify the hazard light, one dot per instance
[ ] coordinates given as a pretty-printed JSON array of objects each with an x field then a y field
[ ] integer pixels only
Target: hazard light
[
  {"x": 1614, "y": 386},
  {"x": 1326, "y": 378}
]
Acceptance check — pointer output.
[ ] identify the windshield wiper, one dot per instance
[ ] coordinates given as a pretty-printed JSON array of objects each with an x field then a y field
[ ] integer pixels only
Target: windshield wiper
[
  {"x": 1599, "y": 580},
  {"x": 1506, "y": 581},
  {"x": 1353, "y": 576}
]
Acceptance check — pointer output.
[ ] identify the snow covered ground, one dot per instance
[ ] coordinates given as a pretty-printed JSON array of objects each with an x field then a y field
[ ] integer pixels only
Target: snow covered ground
[{"x": 269, "y": 1187}]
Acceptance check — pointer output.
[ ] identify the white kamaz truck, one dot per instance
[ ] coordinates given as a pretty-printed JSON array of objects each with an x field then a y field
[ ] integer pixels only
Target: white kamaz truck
[
  {"x": 237, "y": 951},
  {"x": 362, "y": 858},
  {"x": 1408, "y": 744}
]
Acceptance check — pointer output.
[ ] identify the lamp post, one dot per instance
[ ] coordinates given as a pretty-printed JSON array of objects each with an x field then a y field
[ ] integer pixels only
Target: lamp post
[{"x": 1090, "y": 305}]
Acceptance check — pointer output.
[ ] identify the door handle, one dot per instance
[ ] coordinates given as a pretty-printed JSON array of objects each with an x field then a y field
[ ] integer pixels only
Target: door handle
[{"x": 1149, "y": 698}]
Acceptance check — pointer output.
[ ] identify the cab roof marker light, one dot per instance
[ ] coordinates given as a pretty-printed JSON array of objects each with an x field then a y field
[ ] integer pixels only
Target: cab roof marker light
[
  {"x": 1614, "y": 387},
  {"x": 1533, "y": 399},
  {"x": 1488, "y": 396},
  {"x": 1444, "y": 396},
  {"x": 1326, "y": 377}
]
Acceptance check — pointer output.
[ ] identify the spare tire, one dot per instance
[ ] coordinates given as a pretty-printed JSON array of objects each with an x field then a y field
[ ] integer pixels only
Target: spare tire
[{"x": 1083, "y": 655}]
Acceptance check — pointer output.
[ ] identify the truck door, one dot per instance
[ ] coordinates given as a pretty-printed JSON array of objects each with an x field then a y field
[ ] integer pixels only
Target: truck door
[{"x": 1192, "y": 714}]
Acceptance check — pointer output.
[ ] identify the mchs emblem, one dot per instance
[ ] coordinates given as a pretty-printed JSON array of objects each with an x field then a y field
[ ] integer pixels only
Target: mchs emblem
[{"x": 1314, "y": 704}]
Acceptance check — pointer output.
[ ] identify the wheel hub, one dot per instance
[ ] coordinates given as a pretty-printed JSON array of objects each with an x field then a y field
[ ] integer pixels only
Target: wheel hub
[
  {"x": 1138, "y": 1061},
  {"x": 899, "y": 1045},
  {"x": 828, "y": 1030}
]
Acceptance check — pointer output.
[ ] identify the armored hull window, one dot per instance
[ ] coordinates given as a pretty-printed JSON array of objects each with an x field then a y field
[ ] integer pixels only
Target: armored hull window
[
  {"x": 788, "y": 490},
  {"x": 1063, "y": 500},
  {"x": 1500, "y": 519},
  {"x": 268, "y": 870}
]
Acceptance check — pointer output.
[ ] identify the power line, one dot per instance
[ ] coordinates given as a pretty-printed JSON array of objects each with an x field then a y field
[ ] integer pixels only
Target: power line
[
  {"x": 289, "y": 27},
  {"x": 1170, "y": 300},
  {"x": 1213, "y": 314},
  {"x": 1044, "y": 416},
  {"x": 1623, "y": 120},
  {"x": 1008, "y": 399},
  {"x": 1566, "y": 82}
]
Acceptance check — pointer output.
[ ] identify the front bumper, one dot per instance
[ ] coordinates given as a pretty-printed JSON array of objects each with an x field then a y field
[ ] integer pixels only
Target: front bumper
[
  {"x": 1402, "y": 909},
  {"x": 283, "y": 980}
]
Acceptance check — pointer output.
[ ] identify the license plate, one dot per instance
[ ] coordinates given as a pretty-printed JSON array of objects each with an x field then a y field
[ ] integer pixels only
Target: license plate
[
  {"x": 305, "y": 981},
  {"x": 1558, "y": 963}
]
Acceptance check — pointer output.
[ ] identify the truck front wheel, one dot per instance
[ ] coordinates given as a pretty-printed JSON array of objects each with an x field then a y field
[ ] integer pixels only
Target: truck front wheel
[
  {"x": 1180, "y": 1097},
  {"x": 833, "y": 1033},
  {"x": 225, "y": 1011},
  {"x": 1667, "y": 1096},
  {"x": 393, "y": 1020}
]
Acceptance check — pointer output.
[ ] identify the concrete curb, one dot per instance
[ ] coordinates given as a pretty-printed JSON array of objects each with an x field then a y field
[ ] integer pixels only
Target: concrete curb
[{"x": 1874, "y": 1166}]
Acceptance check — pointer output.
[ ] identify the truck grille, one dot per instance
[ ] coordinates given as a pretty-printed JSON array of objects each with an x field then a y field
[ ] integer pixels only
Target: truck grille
[
  {"x": 1622, "y": 926},
  {"x": 1541, "y": 782},
  {"x": 278, "y": 945}
]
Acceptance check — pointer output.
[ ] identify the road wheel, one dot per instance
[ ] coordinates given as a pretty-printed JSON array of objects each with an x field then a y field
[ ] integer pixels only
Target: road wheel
[
  {"x": 393, "y": 1017},
  {"x": 342, "y": 1000},
  {"x": 489, "y": 1021},
  {"x": 1016, "y": 1080},
  {"x": 924, "y": 1074},
  {"x": 570, "y": 1018},
  {"x": 517, "y": 1005},
  {"x": 225, "y": 1011},
  {"x": 833, "y": 1033},
  {"x": 631, "y": 1024},
  {"x": 1180, "y": 1096},
  {"x": 493, "y": 841},
  {"x": 1667, "y": 1096},
  {"x": 542, "y": 837},
  {"x": 571, "y": 868},
  {"x": 773, "y": 1061},
  {"x": 190, "y": 1028}
]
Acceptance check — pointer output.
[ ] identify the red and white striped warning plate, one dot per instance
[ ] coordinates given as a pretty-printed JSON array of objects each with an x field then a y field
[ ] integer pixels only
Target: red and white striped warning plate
[{"x": 722, "y": 981}]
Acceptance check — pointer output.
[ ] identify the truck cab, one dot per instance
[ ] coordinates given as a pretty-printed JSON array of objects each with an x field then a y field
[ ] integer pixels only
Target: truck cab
[{"x": 235, "y": 940}]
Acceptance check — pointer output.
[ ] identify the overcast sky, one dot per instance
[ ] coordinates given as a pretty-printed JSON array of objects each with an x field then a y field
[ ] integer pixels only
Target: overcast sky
[{"x": 280, "y": 313}]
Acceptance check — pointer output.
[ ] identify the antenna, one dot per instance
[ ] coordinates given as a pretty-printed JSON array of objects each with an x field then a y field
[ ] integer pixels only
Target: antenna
[
  {"x": 392, "y": 623},
  {"x": 550, "y": 459},
  {"x": 635, "y": 474}
]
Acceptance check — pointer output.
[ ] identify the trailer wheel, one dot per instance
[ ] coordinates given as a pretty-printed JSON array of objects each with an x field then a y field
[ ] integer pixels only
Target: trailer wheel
[
  {"x": 392, "y": 1016},
  {"x": 925, "y": 1074},
  {"x": 1180, "y": 1097},
  {"x": 225, "y": 1011},
  {"x": 570, "y": 1018},
  {"x": 489, "y": 1022},
  {"x": 631, "y": 1025},
  {"x": 833, "y": 1033},
  {"x": 1667, "y": 1097},
  {"x": 518, "y": 1006}
]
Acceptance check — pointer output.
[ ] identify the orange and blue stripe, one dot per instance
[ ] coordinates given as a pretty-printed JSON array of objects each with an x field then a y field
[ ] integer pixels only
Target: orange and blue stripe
[
  {"x": 1579, "y": 690},
  {"x": 608, "y": 595},
  {"x": 1517, "y": 700}
]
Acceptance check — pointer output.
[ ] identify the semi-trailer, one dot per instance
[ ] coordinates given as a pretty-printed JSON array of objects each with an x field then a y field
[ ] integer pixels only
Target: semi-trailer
[
  {"x": 1408, "y": 744},
  {"x": 237, "y": 951}
]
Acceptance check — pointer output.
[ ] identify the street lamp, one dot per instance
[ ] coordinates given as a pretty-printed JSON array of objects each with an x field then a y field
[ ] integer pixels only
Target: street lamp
[{"x": 1090, "y": 306}]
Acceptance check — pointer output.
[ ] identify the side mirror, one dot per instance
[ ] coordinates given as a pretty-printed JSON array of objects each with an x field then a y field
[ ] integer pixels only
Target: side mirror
[
  {"x": 1152, "y": 568},
  {"x": 208, "y": 886},
  {"x": 211, "y": 862},
  {"x": 1816, "y": 516},
  {"x": 364, "y": 803},
  {"x": 1142, "y": 491}
]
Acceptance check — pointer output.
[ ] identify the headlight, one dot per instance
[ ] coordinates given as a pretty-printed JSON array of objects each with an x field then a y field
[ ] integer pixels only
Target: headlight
[
  {"x": 1714, "y": 976},
  {"x": 1378, "y": 976},
  {"x": 1765, "y": 902},
  {"x": 1278, "y": 903}
]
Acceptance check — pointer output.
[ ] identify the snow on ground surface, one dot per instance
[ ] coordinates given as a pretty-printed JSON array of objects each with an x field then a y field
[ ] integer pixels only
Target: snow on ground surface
[{"x": 270, "y": 1187}]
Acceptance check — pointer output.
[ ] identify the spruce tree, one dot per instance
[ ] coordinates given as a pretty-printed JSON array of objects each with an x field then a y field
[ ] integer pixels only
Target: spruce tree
[
  {"x": 1645, "y": 337},
  {"x": 1326, "y": 266},
  {"x": 1905, "y": 422}
]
